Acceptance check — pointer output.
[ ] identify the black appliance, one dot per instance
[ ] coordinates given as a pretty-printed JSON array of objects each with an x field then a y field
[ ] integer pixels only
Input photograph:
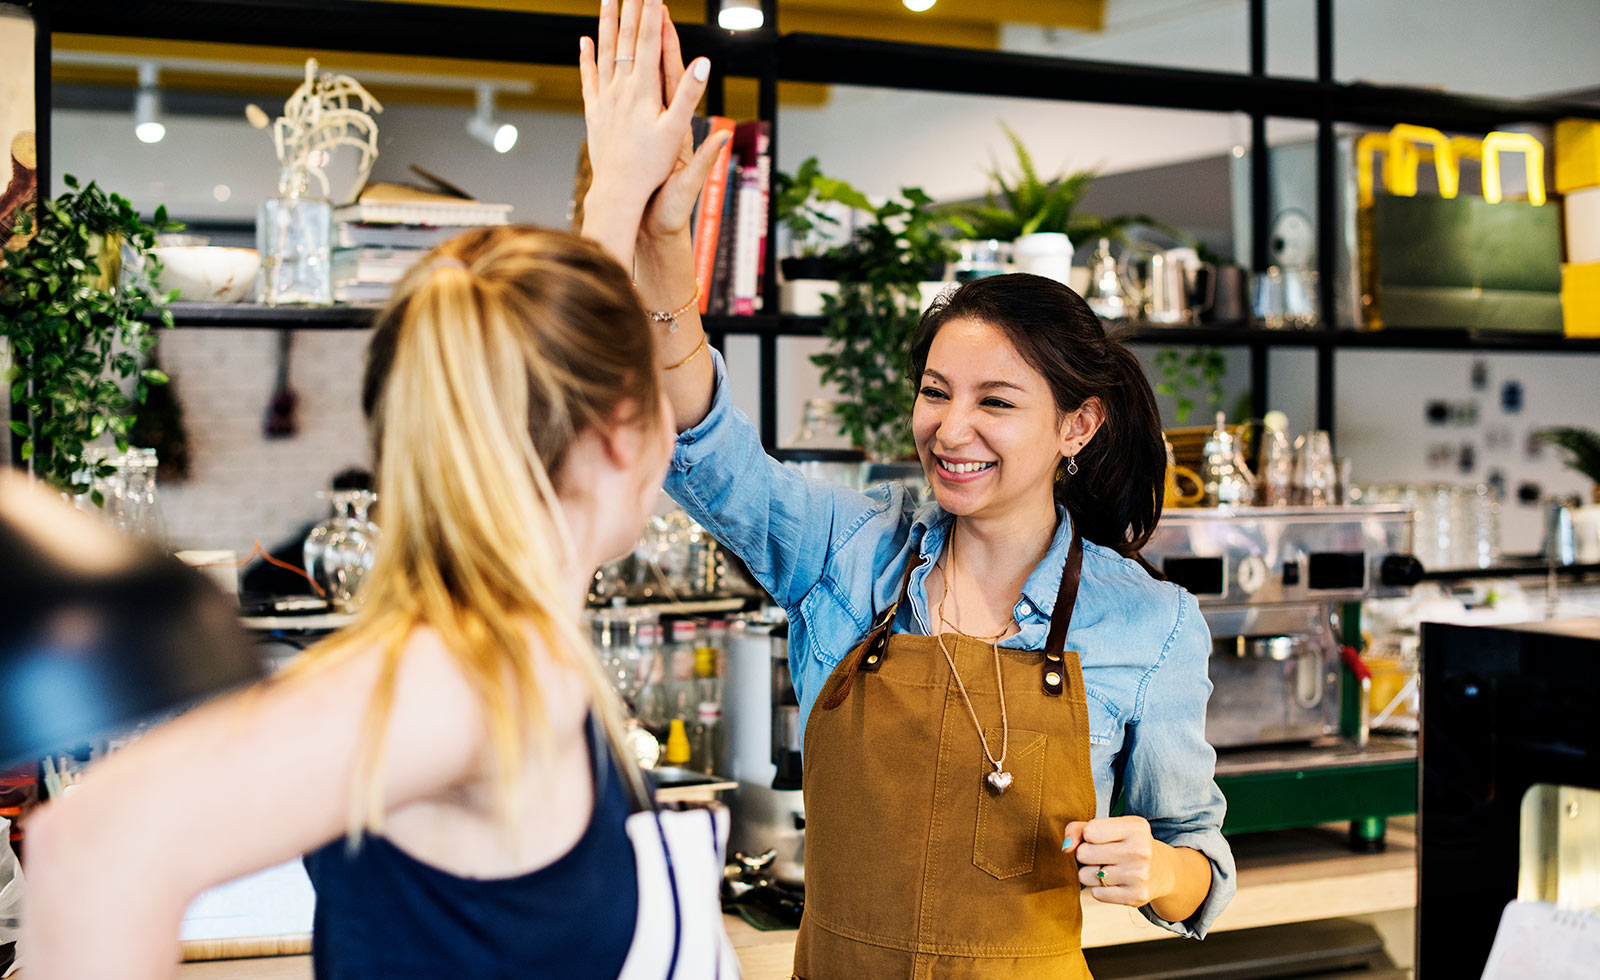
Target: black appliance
[{"x": 1504, "y": 710}]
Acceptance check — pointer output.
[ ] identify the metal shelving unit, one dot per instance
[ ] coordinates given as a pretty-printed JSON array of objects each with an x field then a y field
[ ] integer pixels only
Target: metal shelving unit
[{"x": 770, "y": 57}]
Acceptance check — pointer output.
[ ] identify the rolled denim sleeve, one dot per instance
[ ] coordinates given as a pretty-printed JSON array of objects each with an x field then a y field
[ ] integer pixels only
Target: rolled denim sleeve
[
  {"x": 786, "y": 528},
  {"x": 1170, "y": 772}
]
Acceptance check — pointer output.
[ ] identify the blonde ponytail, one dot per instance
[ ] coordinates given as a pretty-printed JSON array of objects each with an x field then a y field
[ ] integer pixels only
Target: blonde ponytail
[{"x": 495, "y": 353}]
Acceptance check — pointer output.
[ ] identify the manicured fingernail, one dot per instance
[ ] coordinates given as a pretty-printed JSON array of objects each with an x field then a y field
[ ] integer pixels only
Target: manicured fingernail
[
  {"x": 702, "y": 69},
  {"x": 1068, "y": 844}
]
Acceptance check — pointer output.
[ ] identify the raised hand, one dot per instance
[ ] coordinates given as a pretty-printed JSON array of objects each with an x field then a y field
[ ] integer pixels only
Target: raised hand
[
  {"x": 635, "y": 138},
  {"x": 670, "y": 209}
]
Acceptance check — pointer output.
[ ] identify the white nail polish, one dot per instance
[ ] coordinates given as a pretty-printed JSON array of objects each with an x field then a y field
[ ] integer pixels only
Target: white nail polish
[{"x": 702, "y": 70}]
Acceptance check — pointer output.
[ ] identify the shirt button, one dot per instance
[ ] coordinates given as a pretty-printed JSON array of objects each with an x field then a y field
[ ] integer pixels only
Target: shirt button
[{"x": 1024, "y": 608}]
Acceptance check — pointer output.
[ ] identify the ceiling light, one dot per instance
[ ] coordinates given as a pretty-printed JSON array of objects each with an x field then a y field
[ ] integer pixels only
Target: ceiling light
[
  {"x": 483, "y": 128},
  {"x": 741, "y": 15},
  {"x": 918, "y": 6},
  {"x": 147, "y": 106}
]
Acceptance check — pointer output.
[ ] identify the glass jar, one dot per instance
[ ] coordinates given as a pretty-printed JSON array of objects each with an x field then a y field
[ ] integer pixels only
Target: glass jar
[
  {"x": 294, "y": 236},
  {"x": 980, "y": 258},
  {"x": 340, "y": 551}
]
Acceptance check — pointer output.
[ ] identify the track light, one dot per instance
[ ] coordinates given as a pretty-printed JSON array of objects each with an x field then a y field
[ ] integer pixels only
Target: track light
[
  {"x": 482, "y": 127},
  {"x": 741, "y": 15},
  {"x": 147, "y": 106}
]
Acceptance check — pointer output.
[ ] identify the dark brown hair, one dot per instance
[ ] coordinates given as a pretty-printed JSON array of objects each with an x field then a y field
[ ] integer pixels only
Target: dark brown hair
[{"x": 1115, "y": 497}]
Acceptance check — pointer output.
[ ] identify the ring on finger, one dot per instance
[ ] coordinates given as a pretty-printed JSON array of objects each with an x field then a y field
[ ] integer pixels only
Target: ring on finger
[
  {"x": 1100, "y": 875},
  {"x": 621, "y": 58}
]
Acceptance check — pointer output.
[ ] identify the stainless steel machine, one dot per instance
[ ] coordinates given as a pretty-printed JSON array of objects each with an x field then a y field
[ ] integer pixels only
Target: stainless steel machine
[
  {"x": 1275, "y": 585},
  {"x": 1271, "y": 581},
  {"x": 762, "y": 716}
]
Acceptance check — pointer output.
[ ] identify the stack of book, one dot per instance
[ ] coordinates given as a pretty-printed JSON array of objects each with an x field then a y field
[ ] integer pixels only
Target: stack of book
[
  {"x": 380, "y": 237},
  {"x": 730, "y": 224}
]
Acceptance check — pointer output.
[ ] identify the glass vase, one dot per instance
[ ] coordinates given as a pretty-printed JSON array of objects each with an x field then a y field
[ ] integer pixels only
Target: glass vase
[
  {"x": 339, "y": 552},
  {"x": 294, "y": 236}
]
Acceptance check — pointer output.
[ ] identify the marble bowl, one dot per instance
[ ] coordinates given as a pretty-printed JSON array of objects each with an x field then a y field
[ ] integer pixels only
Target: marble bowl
[{"x": 207, "y": 273}]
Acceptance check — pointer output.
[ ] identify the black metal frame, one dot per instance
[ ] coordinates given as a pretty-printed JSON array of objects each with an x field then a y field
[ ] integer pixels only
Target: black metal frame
[{"x": 770, "y": 57}]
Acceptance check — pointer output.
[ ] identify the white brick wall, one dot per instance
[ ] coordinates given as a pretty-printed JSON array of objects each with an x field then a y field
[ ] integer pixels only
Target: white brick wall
[{"x": 243, "y": 486}]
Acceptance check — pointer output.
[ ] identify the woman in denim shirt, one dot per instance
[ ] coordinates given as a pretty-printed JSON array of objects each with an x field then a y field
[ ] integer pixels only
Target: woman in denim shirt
[{"x": 979, "y": 678}]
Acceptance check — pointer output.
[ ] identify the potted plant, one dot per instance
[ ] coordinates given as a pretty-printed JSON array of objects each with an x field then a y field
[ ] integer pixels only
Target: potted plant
[
  {"x": 803, "y": 212},
  {"x": 1034, "y": 214},
  {"x": 1580, "y": 449},
  {"x": 870, "y": 319},
  {"x": 74, "y": 332}
]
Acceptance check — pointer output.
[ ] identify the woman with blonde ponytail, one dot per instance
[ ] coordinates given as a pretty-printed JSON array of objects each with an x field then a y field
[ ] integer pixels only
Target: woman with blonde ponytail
[{"x": 442, "y": 762}]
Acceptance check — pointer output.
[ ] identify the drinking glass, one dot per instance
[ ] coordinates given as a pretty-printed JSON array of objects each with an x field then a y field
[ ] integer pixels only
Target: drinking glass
[{"x": 1315, "y": 480}]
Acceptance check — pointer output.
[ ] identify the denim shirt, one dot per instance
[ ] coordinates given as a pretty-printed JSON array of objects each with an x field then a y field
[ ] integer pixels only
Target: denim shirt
[{"x": 834, "y": 559}]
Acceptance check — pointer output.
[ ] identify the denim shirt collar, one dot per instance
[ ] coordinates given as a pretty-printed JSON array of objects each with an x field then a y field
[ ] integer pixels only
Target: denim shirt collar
[{"x": 1038, "y": 599}]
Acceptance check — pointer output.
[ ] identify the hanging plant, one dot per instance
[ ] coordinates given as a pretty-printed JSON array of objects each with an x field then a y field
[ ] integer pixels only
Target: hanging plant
[{"x": 75, "y": 333}]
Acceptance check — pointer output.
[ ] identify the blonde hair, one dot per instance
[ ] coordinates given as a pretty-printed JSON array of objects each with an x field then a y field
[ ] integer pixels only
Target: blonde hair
[{"x": 497, "y": 350}]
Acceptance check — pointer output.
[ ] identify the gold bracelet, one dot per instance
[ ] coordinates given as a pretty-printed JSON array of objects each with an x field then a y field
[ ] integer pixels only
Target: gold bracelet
[
  {"x": 704, "y": 341},
  {"x": 671, "y": 319}
]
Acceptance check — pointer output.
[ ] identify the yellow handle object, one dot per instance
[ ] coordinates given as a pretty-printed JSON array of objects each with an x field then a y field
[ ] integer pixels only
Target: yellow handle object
[
  {"x": 1532, "y": 157},
  {"x": 1401, "y": 159}
]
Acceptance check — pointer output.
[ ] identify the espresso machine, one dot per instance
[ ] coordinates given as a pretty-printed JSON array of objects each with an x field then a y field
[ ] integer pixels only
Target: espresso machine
[
  {"x": 762, "y": 716},
  {"x": 1276, "y": 586}
]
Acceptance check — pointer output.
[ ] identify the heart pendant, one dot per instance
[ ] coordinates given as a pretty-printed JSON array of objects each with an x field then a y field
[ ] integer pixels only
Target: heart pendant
[{"x": 998, "y": 781}]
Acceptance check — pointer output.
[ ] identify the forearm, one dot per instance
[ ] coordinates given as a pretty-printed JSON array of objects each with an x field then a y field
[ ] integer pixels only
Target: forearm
[
  {"x": 1185, "y": 880},
  {"x": 664, "y": 269},
  {"x": 98, "y": 905},
  {"x": 611, "y": 216}
]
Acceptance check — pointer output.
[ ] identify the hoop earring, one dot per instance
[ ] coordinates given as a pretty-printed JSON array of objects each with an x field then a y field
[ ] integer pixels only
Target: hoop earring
[{"x": 1072, "y": 465}]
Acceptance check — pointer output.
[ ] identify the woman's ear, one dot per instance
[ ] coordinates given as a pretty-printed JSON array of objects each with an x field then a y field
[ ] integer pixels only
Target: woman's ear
[
  {"x": 1079, "y": 427},
  {"x": 621, "y": 436}
]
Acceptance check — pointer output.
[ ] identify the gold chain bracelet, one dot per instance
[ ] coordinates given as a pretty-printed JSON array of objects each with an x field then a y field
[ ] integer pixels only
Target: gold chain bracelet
[{"x": 671, "y": 319}]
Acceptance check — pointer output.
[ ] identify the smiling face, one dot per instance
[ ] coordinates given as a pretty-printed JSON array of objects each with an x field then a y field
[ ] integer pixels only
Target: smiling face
[{"x": 987, "y": 427}]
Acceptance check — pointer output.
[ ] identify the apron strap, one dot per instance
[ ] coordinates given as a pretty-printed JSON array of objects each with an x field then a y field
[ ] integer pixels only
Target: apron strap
[
  {"x": 1067, "y": 597},
  {"x": 868, "y": 654},
  {"x": 1066, "y": 600}
]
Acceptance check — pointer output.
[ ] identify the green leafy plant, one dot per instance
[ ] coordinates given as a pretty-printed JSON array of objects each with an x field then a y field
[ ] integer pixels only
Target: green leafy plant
[
  {"x": 1196, "y": 370},
  {"x": 74, "y": 331},
  {"x": 1025, "y": 203},
  {"x": 799, "y": 197},
  {"x": 1581, "y": 448},
  {"x": 871, "y": 319}
]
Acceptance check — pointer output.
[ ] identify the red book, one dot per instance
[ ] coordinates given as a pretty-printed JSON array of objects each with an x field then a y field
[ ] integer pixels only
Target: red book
[{"x": 711, "y": 200}]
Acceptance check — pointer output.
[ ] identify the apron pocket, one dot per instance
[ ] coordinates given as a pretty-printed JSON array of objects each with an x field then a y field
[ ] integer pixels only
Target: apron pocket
[{"x": 1008, "y": 825}]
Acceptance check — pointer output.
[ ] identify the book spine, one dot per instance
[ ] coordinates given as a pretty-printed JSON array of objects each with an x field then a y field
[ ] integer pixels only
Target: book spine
[
  {"x": 709, "y": 227},
  {"x": 722, "y": 264},
  {"x": 747, "y": 242}
]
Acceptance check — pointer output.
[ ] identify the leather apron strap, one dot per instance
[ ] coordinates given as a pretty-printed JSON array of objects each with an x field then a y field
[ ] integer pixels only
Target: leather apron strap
[{"x": 871, "y": 648}]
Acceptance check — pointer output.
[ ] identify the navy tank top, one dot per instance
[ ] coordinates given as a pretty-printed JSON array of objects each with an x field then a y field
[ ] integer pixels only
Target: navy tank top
[{"x": 384, "y": 915}]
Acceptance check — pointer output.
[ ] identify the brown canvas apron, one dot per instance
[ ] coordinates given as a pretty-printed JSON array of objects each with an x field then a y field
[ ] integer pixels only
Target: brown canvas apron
[{"x": 914, "y": 867}]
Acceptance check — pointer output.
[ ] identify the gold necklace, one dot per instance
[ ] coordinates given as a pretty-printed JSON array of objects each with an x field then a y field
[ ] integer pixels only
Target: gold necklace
[{"x": 999, "y": 779}]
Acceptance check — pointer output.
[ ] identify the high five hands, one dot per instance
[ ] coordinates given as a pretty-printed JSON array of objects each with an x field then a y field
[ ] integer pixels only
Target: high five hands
[{"x": 638, "y": 99}]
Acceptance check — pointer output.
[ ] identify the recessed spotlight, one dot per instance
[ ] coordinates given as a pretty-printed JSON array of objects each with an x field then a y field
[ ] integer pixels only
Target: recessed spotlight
[
  {"x": 741, "y": 15},
  {"x": 918, "y": 6}
]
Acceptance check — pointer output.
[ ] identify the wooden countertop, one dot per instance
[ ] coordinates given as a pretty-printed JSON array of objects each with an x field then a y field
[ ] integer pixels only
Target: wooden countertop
[{"x": 1284, "y": 876}]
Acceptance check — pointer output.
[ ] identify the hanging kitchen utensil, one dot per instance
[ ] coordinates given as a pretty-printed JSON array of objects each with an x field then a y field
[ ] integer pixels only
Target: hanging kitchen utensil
[{"x": 281, "y": 421}]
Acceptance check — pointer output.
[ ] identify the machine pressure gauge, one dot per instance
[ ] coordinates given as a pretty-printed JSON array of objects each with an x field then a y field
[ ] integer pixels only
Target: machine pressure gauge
[{"x": 1252, "y": 574}]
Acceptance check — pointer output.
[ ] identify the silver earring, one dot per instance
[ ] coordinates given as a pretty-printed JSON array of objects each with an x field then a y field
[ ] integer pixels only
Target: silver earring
[{"x": 1072, "y": 466}]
